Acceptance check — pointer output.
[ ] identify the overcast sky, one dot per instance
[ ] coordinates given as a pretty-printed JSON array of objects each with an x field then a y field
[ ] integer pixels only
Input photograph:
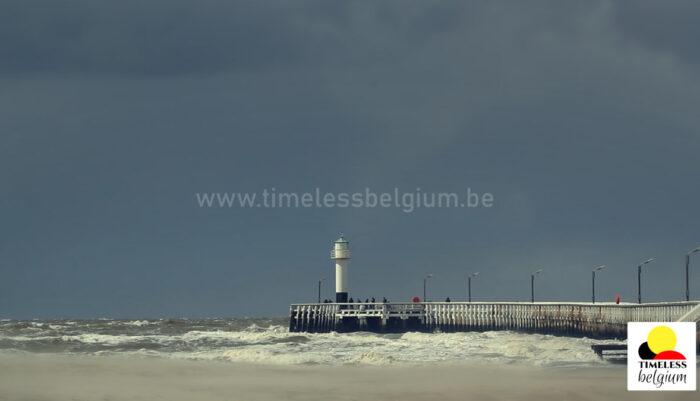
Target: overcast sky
[{"x": 581, "y": 118}]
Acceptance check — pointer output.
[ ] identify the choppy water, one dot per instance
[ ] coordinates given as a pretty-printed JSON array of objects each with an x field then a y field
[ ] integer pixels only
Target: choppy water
[{"x": 268, "y": 341}]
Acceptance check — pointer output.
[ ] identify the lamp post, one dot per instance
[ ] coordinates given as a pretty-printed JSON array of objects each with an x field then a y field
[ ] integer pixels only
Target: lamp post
[
  {"x": 425, "y": 280},
  {"x": 532, "y": 285},
  {"x": 319, "y": 289},
  {"x": 639, "y": 279},
  {"x": 601, "y": 267},
  {"x": 687, "y": 264},
  {"x": 469, "y": 285}
]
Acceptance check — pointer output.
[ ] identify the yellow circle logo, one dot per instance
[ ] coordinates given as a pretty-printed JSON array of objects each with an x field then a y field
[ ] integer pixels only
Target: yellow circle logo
[{"x": 661, "y": 338}]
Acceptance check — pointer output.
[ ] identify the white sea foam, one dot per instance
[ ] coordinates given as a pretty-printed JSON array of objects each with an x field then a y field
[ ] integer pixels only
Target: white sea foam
[
  {"x": 366, "y": 348},
  {"x": 373, "y": 358},
  {"x": 246, "y": 336},
  {"x": 102, "y": 338},
  {"x": 276, "y": 345},
  {"x": 27, "y": 338},
  {"x": 139, "y": 323}
]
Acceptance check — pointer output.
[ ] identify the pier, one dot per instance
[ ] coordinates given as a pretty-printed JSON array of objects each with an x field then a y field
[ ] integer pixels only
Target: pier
[
  {"x": 582, "y": 319},
  {"x": 599, "y": 320}
]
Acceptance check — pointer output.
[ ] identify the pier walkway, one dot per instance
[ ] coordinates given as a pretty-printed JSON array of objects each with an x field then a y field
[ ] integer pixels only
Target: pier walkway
[{"x": 599, "y": 320}]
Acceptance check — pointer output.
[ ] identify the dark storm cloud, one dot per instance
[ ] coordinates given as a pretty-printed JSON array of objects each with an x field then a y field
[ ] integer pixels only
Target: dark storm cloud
[
  {"x": 175, "y": 37},
  {"x": 157, "y": 37},
  {"x": 670, "y": 28},
  {"x": 166, "y": 37},
  {"x": 163, "y": 37},
  {"x": 579, "y": 116}
]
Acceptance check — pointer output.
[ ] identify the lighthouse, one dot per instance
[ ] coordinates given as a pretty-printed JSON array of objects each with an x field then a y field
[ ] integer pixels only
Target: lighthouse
[{"x": 341, "y": 254}]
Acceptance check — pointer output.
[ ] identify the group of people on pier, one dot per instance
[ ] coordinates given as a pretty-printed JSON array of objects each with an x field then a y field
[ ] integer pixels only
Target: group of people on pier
[
  {"x": 358, "y": 301},
  {"x": 372, "y": 300}
]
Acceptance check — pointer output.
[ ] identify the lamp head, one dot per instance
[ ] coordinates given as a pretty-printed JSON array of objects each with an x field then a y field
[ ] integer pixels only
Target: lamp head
[{"x": 648, "y": 260}]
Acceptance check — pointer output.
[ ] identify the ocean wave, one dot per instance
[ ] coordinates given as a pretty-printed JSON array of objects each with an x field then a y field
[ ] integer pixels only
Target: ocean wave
[
  {"x": 268, "y": 356},
  {"x": 269, "y": 342},
  {"x": 140, "y": 323},
  {"x": 373, "y": 358}
]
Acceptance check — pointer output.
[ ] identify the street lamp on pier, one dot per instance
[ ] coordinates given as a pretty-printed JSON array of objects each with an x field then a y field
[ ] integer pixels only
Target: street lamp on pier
[
  {"x": 425, "y": 280},
  {"x": 469, "y": 285},
  {"x": 639, "y": 279},
  {"x": 601, "y": 267},
  {"x": 687, "y": 264},
  {"x": 532, "y": 285},
  {"x": 319, "y": 289}
]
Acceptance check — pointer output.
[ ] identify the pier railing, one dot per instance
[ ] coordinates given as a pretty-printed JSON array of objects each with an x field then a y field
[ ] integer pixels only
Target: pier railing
[
  {"x": 692, "y": 316},
  {"x": 572, "y": 318}
]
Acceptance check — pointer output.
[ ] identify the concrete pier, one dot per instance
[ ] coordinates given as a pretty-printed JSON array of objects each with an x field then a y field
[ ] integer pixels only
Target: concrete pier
[{"x": 599, "y": 320}]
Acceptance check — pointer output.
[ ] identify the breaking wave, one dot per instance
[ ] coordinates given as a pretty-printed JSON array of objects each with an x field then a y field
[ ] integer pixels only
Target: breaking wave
[{"x": 268, "y": 341}]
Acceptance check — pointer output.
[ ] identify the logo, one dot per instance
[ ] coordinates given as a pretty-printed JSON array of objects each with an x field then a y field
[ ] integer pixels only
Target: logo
[{"x": 661, "y": 356}]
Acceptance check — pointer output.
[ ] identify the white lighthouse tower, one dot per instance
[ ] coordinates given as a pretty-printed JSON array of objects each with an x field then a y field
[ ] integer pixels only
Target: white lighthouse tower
[{"x": 341, "y": 254}]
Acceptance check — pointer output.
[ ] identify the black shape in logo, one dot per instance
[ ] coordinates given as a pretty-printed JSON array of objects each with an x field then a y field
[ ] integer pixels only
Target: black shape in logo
[{"x": 645, "y": 352}]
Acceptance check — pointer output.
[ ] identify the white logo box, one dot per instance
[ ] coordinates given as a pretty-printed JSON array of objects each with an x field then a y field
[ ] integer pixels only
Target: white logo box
[{"x": 661, "y": 375}]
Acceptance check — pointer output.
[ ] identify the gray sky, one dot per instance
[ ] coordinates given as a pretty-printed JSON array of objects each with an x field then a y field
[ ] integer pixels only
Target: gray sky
[{"x": 581, "y": 119}]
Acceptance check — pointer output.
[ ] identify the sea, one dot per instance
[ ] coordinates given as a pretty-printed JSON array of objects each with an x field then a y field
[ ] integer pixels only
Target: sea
[{"x": 268, "y": 341}]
